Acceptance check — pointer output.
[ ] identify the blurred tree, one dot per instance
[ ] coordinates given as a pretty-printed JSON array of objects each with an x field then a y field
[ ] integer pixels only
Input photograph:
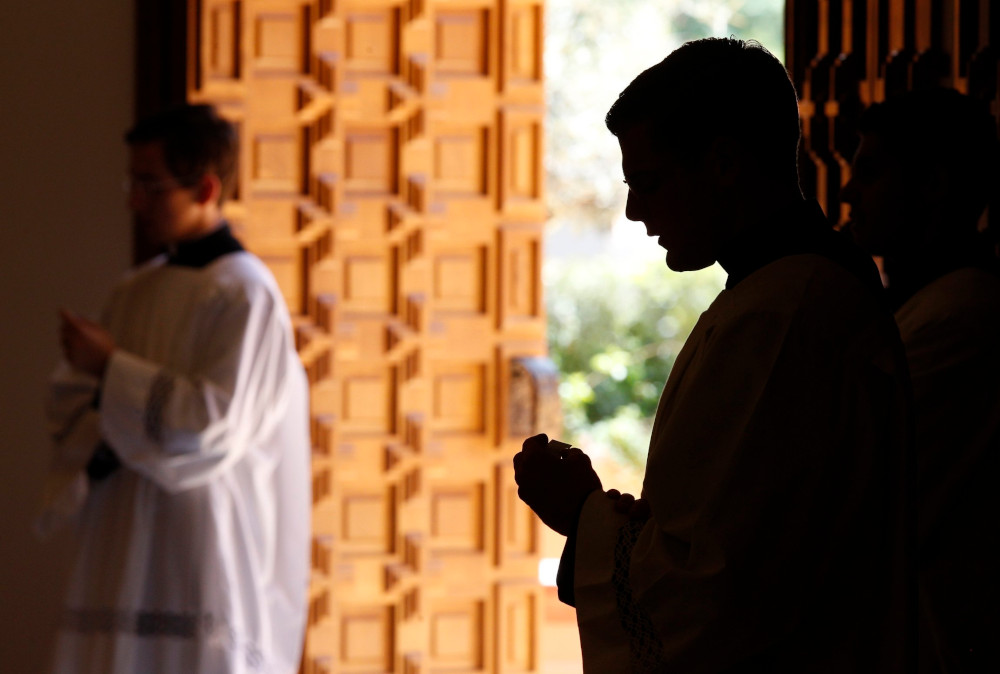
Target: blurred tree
[{"x": 614, "y": 333}]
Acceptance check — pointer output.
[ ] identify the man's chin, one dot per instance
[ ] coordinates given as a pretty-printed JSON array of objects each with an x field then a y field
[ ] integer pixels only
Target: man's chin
[{"x": 680, "y": 263}]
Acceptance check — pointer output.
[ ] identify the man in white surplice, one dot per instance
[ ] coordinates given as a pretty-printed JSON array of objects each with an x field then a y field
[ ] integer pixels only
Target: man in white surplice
[
  {"x": 180, "y": 424},
  {"x": 771, "y": 533},
  {"x": 925, "y": 169}
]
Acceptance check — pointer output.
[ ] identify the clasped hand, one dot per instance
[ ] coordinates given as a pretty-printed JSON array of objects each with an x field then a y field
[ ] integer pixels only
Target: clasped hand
[
  {"x": 86, "y": 345},
  {"x": 554, "y": 480}
]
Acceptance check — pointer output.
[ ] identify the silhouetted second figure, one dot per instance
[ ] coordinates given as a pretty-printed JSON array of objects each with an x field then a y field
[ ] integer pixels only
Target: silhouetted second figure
[{"x": 921, "y": 179}]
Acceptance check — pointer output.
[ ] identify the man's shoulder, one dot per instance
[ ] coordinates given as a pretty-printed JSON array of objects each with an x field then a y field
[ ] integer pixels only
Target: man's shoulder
[
  {"x": 239, "y": 269},
  {"x": 819, "y": 300},
  {"x": 138, "y": 274},
  {"x": 243, "y": 274},
  {"x": 967, "y": 300},
  {"x": 147, "y": 267},
  {"x": 239, "y": 276},
  {"x": 968, "y": 287},
  {"x": 241, "y": 266},
  {"x": 802, "y": 281}
]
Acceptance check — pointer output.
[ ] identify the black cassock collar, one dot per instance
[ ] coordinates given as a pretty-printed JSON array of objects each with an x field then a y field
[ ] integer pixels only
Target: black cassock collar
[{"x": 206, "y": 250}]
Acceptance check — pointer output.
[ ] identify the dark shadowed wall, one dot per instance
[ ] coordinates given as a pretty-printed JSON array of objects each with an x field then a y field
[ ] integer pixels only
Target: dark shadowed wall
[{"x": 65, "y": 99}]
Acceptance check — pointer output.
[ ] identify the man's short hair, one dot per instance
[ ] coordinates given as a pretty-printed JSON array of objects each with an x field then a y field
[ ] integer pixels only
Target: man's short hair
[
  {"x": 196, "y": 141},
  {"x": 940, "y": 129},
  {"x": 710, "y": 88}
]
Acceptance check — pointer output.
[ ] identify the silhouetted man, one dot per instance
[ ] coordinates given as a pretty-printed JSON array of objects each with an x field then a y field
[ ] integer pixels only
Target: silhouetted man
[
  {"x": 774, "y": 540},
  {"x": 180, "y": 425},
  {"x": 920, "y": 180}
]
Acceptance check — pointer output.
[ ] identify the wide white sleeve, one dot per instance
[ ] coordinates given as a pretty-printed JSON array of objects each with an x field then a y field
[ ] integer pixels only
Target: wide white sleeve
[
  {"x": 74, "y": 430},
  {"x": 769, "y": 478},
  {"x": 182, "y": 428},
  {"x": 598, "y": 581}
]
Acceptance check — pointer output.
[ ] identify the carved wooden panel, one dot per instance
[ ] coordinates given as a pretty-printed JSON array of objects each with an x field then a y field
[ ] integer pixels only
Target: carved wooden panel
[
  {"x": 391, "y": 177},
  {"x": 846, "y": 54}
]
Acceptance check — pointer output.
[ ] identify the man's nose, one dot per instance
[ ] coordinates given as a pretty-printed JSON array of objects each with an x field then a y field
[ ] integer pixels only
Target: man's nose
[{"x": 632, "y": 209}]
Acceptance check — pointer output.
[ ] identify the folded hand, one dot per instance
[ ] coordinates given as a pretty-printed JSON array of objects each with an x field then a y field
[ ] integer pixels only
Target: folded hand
[
  {"x": 85, "y": 344},
  {"x": 554, "y": 479},
  {"x": 636, "y": 509}
]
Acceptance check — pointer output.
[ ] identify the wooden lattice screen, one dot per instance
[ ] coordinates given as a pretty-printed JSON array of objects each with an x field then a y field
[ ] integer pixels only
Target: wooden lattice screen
[
  {"x": 846, "y": 54},
  {"x": 391, "y": 177}
]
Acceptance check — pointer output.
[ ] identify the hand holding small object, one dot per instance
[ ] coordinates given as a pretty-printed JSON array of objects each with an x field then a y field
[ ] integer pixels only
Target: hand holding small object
[
  {"x": 86, "y": 345},
  {"x": 554, "y": 479}
]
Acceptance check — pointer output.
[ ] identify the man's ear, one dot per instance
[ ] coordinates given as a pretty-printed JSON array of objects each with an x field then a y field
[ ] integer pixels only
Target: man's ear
[
  {"x": 209, "y": 189},
  {"x": 725, "y": 160}
]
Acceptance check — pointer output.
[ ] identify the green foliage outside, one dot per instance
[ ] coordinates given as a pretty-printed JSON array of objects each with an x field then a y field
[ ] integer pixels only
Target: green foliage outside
[
  {"x": 614, "y": 333},
  {"x": 616, "y": 325}
]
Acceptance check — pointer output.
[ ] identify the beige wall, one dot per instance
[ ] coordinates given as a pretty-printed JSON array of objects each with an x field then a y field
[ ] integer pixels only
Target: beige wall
[{"x": 65, "y": 99}]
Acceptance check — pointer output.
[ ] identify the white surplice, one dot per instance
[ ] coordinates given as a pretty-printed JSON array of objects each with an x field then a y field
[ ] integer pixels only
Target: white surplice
[
  {"x": 193, "y": 556},
  {"x": 774, "y": 477},
  {"x": 951, "y": 331}
]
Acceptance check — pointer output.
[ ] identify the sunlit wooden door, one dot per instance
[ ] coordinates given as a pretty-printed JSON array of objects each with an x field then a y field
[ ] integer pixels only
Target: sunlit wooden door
[
  {"x": 391, "y": 177},
  {"x": 844, "y": 55}
]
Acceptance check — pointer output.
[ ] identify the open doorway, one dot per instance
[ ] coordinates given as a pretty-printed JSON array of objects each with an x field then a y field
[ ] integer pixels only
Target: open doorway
[
  {"x": 614, "y": 347},
  {"x": 616, "y": 316}
]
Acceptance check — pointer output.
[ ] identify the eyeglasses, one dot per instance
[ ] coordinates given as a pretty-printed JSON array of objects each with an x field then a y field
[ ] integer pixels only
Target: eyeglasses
[{"x": 147, "y": 187}]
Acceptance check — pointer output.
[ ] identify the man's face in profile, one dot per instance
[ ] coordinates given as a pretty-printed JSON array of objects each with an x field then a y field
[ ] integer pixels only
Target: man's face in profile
[
  {"x": 878, "y": 197},
  {"x": 164, "y": 208},
  {"x": 669, "y": 198}
]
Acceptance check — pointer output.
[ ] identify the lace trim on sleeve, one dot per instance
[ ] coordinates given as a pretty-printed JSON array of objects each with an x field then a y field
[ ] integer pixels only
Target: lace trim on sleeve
[{"x": 645, "y": 647}]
